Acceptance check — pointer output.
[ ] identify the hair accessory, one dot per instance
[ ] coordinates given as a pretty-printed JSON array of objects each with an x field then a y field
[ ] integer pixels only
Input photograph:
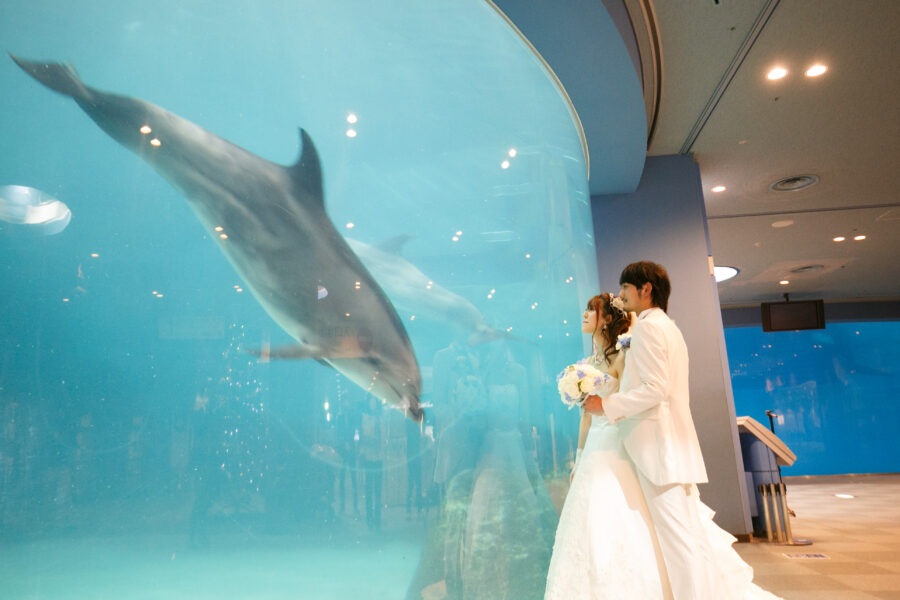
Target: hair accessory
[{"x": 616, "y": 302}]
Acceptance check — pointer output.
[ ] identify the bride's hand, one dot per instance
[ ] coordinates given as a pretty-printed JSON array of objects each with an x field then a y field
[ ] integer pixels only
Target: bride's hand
[{"x": 593, "y": 404}]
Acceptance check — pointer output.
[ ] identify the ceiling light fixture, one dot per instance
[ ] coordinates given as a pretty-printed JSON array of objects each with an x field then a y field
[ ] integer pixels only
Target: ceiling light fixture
[
  {"x": 719, "y": 188},
  {"x": 859, "y": 238},
  {"x": 794, "y": 183},
  {"x": 777, "y": 73},
  {"x": 724, "y": 273},
  {"x": 839, "y": 238},
  {"x": 781, "y": 224},
  {"x": 807, "y": 268},
  {"x": 784, "y": 282},
  {"x": 816, "y": 70}
]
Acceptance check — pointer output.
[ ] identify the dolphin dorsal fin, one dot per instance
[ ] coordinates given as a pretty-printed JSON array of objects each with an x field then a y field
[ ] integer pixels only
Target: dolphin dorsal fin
[
  {"x": 306, "y": 173},
  {"x": 395, "y": 244}
]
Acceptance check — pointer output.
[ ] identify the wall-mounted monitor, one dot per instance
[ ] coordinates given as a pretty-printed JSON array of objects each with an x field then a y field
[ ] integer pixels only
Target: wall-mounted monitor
[{"x": 789, "y": 316}]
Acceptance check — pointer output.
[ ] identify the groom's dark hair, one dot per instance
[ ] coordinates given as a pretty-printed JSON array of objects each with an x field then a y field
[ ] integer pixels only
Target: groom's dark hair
[{"x": 639, "y": 273}]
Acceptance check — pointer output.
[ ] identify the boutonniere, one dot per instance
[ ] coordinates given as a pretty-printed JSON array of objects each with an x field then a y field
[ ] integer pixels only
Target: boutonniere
[{"x": 623, "y": 342}]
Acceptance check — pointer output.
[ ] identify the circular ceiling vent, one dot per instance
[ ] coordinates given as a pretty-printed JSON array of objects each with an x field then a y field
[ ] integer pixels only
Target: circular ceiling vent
[
  {"x": 794, "y": 184},
  {"x": 807, "y": 268}
]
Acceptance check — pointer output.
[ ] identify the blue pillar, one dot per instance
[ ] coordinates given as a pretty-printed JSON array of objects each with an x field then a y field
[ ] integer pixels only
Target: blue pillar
[{"x": 664, "y": 221}]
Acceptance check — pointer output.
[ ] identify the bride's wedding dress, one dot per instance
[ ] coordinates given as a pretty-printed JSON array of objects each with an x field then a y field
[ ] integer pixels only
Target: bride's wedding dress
[
  {"x": 606, "y": 545},
  {"x": 605, "y": 542}
]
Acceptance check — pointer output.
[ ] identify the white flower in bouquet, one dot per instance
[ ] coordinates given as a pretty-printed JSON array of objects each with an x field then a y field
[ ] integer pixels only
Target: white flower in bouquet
[{"x": 578, "y": 381}]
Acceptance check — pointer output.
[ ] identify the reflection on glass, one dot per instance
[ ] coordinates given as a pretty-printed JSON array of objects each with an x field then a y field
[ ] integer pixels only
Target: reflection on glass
[
  {"x": 40, "y": 212},
  {"x": 493, "y": 499}
]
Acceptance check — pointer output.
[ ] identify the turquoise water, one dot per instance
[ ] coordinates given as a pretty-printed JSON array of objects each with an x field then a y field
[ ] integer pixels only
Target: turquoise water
[
  {"x": 146, "y": 452},
  {"x": 833, "y": 390}
]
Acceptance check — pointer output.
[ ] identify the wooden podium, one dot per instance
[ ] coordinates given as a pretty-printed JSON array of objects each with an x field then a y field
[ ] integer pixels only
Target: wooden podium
[{"x": 764, "y": 454}]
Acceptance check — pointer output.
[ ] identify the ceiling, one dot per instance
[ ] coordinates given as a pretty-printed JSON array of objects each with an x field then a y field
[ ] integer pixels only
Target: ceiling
[{"x": 747, "y": 131}]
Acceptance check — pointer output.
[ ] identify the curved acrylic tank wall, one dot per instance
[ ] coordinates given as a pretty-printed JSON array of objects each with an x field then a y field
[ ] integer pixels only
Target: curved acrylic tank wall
[{"x": 146, "y": 451}]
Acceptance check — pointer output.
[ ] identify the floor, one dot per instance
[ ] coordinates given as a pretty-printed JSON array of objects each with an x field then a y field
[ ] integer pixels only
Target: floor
[{"x": 860, "y": 536}]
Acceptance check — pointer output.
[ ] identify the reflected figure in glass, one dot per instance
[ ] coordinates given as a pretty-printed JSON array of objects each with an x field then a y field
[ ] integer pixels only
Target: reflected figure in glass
[{"x": 496, "y": 523}]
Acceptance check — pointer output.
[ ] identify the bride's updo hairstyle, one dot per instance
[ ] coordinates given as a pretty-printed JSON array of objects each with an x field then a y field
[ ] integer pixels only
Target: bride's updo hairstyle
[{"x": 619, "y": 323}]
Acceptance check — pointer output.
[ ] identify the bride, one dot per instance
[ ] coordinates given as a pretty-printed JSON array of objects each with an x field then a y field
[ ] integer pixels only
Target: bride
[
  {"x": 605, "y": 542},
  {"x": 606, "y": 546}
]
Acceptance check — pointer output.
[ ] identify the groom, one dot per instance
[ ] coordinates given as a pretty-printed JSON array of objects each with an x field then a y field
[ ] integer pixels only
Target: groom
[{"x": 653, "y": 415}]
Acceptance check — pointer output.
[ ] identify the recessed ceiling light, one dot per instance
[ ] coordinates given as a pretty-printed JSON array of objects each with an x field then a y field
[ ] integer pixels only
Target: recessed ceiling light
[
  {"x": 780, "y": 224},
  {"x": 724, "y": 273},
  {"x": 777, "y": 73},
  {"x": 816, "y": 70},
  {"x": 784, "y": 282},
  {"x": 859, "y": 238},
  {"x": 839, "y": 238},
  {"x": 794, "y": 183},
  {"x": 846, "y": 496},
  {"x": 719, "y": 188}
]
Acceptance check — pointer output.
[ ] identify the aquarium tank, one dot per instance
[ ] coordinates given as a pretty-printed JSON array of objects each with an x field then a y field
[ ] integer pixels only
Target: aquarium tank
[
  {"x": 286, "y": 286},
  {"x": 829, "y": 392}
]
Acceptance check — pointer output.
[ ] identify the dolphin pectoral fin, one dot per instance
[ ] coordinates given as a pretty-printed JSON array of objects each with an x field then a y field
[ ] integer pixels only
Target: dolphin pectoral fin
[
  {"x": 306, "y": 173},
  {"x": 287, "y": 353},
  {"x": 309, "y": 351},
  {"x": 56, "y": 76}
]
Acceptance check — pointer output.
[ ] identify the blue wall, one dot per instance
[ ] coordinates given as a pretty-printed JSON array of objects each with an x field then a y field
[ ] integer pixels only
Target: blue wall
[{"x": 836, "y": 390}]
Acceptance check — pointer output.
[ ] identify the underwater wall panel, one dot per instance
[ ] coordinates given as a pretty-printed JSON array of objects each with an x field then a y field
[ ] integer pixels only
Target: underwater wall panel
[{"x": 286, "y": 286}]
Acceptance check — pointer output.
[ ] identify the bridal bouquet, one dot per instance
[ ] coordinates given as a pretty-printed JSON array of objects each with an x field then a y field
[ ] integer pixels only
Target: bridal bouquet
[{"x": 578, "y": 381}]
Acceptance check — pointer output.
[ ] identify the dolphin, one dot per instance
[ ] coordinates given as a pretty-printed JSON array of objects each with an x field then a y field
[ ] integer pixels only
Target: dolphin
[
  {"x": 270, "y": 222},
  {"x": 411, "y": 290}
]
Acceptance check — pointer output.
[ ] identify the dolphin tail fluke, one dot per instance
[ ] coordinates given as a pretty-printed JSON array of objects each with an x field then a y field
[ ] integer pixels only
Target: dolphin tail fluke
[{"x": 56, "y": 76}]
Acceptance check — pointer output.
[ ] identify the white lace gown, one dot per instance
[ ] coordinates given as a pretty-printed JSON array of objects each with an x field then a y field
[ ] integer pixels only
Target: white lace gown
[{"x": 606, "y": 547}]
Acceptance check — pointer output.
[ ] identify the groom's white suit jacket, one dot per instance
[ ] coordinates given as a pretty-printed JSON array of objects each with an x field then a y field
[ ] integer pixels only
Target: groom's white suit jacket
[{"x": 651, "y": 408}]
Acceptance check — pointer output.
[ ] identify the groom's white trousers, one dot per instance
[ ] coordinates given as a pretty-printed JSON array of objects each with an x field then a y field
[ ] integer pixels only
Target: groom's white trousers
[{"x": 685, "y": 545}]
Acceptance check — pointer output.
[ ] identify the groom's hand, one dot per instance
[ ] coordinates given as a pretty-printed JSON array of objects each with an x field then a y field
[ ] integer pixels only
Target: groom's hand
[{"x": 593, "y": 404}]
